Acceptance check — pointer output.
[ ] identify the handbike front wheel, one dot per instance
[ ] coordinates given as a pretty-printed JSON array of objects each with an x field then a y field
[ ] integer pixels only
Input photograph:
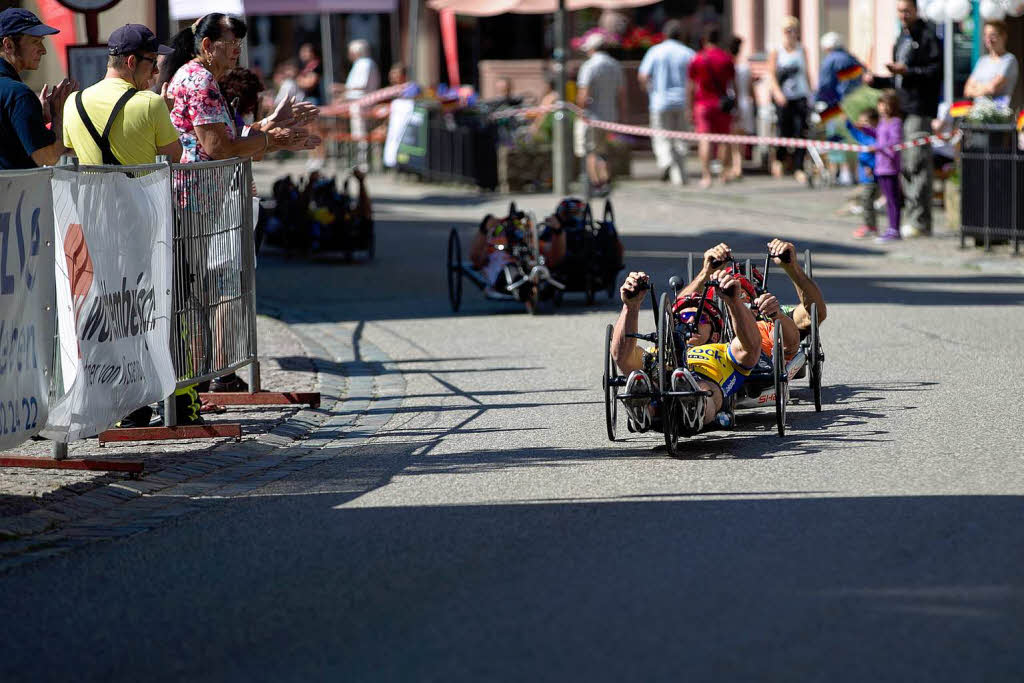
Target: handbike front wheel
[
  {"x": 815, "y": 359},
  {"x": 667, "y": 361},
  {"x": 454, "y": 270},
  {"x": 611, "y": 403},
  {"x": 781, "y": 379}
]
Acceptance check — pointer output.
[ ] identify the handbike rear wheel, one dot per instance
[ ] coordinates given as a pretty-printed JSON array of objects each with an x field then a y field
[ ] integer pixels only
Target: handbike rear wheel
[
  {"x": 454, "y": 270},
  {"x": 781, "y": 379},
  {"x": 611, "y": 403},
  {"x": 815, "y": 359},
  {"x": 667, "y": 360}
]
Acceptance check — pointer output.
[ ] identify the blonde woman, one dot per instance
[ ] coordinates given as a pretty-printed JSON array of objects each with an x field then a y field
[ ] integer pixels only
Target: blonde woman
[
  {"x": 995, "y": 74},
  {"x": 791, "y": 92}
]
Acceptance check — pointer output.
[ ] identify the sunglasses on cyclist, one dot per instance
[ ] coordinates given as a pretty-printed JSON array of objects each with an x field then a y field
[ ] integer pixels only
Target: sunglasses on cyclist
[{"x": 687, "y": 316}]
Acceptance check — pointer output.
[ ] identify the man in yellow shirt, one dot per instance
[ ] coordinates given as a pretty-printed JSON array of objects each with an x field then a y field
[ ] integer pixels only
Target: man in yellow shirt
[
  {"x": 140, "y": 128},
  {"x": 119, "y": 121}
]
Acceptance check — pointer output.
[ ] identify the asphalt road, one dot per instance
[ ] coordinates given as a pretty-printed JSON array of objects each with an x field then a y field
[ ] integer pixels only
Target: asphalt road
[{"x": 490, "y": 531}]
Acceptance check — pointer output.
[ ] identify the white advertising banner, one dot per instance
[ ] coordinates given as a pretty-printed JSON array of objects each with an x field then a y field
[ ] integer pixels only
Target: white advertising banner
[
  {"x": 26, "y": 303},
  {"x": 398, "y": 121},
  {"x": 113, "y": 272}
]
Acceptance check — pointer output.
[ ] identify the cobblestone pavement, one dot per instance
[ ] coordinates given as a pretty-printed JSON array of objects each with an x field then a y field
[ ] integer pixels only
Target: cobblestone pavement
[{"x": 47, "y": 513}]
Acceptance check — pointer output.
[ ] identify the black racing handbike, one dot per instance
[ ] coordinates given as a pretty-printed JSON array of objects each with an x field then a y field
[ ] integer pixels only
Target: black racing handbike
[
  {"x": 592, "y": 259},
  {"x": 522, "y": 276},
  {"x": 676, "y": 413}
]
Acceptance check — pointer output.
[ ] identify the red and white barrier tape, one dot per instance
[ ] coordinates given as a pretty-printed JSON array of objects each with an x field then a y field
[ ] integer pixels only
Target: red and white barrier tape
[
  {"x": 643, "y": 131},
  {"x": 357, "y": 107},
  {"x": 378, "y": 96}
]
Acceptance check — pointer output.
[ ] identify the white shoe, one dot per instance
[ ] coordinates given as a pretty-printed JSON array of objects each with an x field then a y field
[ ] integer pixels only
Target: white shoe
[
  {"x": 911, "y": 232},
  {"x": 637, "y": 408},
  {"x": 692, "y": 409}
]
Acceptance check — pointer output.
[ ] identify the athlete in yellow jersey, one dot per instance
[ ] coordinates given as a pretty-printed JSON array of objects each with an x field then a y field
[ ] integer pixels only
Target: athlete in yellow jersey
[{"x": 713, "y": 366}]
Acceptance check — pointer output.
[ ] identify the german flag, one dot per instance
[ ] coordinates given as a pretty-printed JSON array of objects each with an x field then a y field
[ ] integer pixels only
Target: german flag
[
  {"x": 833, "y": 112},
  {"x": 850, "y": 73},
  {"x": 1020, "y": 121},
  {"x": 960, "y": 108}
]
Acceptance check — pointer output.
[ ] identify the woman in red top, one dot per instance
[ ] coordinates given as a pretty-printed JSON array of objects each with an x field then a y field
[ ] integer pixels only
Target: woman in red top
[{"x": 711, "y": 78}]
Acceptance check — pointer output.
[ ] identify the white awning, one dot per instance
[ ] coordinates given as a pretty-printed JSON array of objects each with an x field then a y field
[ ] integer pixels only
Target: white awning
[
  {"x": 487, "y": 8},
  {"x": 193, "y": 9}
]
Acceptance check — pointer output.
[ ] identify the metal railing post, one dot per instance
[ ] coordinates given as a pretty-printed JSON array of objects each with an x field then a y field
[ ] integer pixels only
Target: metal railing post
[
  {"x": 249, "y": 269},
  {"x": 170, "y": 405},
  {"x": 60, "y": 449}
]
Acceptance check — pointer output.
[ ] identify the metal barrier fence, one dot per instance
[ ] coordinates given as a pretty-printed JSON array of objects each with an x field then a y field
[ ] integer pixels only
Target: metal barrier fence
[
  {"x": 213, "y": 295},
  {"x": 991, "y": 185},
  {"x": 214, "y": 304}
]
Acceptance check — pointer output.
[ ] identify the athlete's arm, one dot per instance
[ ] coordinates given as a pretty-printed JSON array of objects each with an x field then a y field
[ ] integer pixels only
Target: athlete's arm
[
  {"x": 769, "y": 307},
  {"x": 806, "y": 289},
  {"x": 714, "y": 255},
  {"x": 623, "y": 347},
  {"x": 746, "y": 346}
]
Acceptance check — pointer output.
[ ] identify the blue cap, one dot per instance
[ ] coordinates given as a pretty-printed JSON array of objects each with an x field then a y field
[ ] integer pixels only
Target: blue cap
[
  {"x": 132, "y": 38},
  {"x": 16, "y": 20}
]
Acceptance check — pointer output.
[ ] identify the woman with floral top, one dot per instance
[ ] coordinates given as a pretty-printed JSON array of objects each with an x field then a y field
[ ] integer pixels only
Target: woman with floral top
[{"x": 203, "y": 53}]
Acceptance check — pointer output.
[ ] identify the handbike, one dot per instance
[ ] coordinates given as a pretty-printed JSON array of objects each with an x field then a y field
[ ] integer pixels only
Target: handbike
[{"x": 525, "y": 277}]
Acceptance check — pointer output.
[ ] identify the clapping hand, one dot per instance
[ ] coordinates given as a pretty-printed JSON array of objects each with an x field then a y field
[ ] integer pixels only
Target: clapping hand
[
  {"x": 291, "y": 114},
  {"x": 303, "y": 113},
  {"x": 53, "y": 98},
  {"x": 168, "y": 99}
]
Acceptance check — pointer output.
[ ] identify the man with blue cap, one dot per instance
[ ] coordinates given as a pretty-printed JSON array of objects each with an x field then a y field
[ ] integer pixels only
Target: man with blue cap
[
  {"x": 25, "y": 140},
  {"x": 119, "y": 121}
]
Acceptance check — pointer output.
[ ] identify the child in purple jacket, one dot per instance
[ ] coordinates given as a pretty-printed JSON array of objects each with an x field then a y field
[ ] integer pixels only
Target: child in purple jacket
[{"x": 887, "y": 161}]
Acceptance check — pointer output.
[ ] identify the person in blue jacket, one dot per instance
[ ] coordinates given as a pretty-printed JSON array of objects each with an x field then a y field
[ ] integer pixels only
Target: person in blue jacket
[
  {"x": 840, "y": 74},
  {"x": 868, "y": 120}
]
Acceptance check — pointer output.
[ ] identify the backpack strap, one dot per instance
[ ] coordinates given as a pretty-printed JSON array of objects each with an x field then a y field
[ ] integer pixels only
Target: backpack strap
[{"x": 103, "y": 141}]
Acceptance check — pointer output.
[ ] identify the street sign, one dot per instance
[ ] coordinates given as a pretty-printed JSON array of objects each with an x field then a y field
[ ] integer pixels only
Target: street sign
[
  {"x": 91, "y": 9},
  {"x": 87, "y": 64},
  {"x": 88, "y": 5}
]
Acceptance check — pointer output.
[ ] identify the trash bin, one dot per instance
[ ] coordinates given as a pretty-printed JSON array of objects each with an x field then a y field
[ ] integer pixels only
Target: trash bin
[
  {"x": 992, "y": 185},
  {"x": 463, "y": 147}
]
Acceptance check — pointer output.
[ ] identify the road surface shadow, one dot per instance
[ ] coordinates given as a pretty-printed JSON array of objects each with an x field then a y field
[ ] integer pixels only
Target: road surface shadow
[{"x": 751, "y": 585}]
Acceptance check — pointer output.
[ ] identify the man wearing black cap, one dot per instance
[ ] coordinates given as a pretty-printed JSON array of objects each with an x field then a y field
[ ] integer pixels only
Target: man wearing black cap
[
  {"x": 119, "y": 120},
  {"x": 25, "y": 141}
]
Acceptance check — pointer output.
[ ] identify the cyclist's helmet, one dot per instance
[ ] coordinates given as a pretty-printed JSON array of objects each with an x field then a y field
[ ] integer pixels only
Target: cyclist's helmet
[
  {"x": 711, "y": 312},
  {"x": 570, "y": 212}
]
